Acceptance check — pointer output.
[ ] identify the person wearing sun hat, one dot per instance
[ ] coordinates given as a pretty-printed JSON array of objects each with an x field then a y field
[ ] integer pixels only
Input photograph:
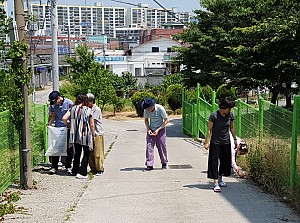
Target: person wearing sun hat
[
  {"x": 58, "y": 108},
  {"x": 156, "y": 119}
]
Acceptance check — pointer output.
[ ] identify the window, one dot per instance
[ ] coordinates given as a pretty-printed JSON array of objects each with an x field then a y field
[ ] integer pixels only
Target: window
[
  {"x": 169, "y": 49},
  {"x": 155, "y": 49}
]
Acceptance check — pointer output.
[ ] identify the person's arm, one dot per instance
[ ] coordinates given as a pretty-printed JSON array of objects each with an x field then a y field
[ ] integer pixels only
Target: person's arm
[
  {"x": 233, "y": 152},
  {"x": 92, "y": 126},
  {"x": 51, "y": 118},
  {"x": 232, "y": 130},
  {"x": 208, "y": 134},
  {"x": 146, "y": 120},
  {"x": 165, "y": 122},
  {"x": 66, "y": 117}
]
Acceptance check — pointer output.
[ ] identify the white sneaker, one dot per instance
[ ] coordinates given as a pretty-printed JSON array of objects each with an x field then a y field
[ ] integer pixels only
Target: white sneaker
[
  {"x": 217, "y": 188},
  {"x": 69, "y": 170},
  {"x": 52, "y": 171},
  {"x": 79, "y": 176},
  {"x": 99, "y": 173}
]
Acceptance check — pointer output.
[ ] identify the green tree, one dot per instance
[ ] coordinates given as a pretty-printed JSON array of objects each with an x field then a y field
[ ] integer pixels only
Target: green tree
[
  {"x": 90, "y": 75},
  {"x": 174, "y": 96},
  {"x": 138, "y": 98},
  {"x": 250, "y": 43},
  {"x": 126, "y": 82},
  {"x": 173, "y": 79},
  {"x": 225, "y": 90}
]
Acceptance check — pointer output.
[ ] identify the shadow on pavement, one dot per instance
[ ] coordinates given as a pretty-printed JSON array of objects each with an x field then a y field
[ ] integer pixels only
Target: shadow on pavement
[
  {"x": 253, "y": 204},
  {"x": 127, "y": 169},
  {"x": 199, "y": 186}
]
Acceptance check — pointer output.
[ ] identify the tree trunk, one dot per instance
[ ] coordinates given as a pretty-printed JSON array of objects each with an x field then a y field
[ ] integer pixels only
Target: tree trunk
[
  {"x": 288, "y": 99},
  {"x": 275, "y": 94}
]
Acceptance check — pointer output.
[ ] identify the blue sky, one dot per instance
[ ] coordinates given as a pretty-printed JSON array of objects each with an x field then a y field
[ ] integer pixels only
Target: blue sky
[{"x": 181, "y": 5}]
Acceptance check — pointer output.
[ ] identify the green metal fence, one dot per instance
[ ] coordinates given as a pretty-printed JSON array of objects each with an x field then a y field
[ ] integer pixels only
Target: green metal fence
[
  {"x": 9, "y": 147},
  {"x": 9, "y": 162},
  {"x": 268, "y": 126}
]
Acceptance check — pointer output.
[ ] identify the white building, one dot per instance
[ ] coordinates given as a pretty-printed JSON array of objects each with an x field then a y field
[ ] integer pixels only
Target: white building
[
  {"x": 78, "y": 20},
  {"x": 147, "y": 62},
  {"x": 83, "y": 20},
  {"x": 146, "y": 17},
  {"x": 3, "y": 6}
]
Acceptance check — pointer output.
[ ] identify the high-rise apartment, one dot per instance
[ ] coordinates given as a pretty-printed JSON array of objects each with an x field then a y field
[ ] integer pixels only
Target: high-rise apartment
[
  {"x": 79, "y": 20},
  {"x": 143, "y": 16},
  {"x": 3, "y": 9}
]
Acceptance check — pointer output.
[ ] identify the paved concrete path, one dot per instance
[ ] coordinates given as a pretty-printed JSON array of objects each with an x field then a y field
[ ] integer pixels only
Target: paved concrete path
[{"x": 126, "y": 193}]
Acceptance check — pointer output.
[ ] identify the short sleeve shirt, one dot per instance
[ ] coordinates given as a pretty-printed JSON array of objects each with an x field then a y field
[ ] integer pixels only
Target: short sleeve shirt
[
  {"x": 220, "y": 129},
  {"x": 60, "y": 111},
  {"x": 156, "y": 118},
  {"x": 97, "y": 116}
]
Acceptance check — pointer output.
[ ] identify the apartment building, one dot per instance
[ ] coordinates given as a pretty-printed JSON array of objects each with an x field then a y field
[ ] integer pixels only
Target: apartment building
[
  {"x": 3, "y": 9},
  {"x": 146, "y": 17},
  {"x": 77, "y": 20},
  {"x": 116, "y": 22}
]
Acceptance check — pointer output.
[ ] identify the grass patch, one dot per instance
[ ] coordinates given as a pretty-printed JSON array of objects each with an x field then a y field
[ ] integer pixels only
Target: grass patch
[
  {"x": 268, "y": 164},
  {"x": 7, "y": 205}
]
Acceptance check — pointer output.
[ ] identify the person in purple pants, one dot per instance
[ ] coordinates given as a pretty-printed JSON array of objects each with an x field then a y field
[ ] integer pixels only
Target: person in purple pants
[{"x": 156, "y": 120}]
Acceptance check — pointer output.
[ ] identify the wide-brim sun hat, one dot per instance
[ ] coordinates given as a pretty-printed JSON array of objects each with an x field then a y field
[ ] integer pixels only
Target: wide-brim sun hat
[{"x": 148, "y": 102}]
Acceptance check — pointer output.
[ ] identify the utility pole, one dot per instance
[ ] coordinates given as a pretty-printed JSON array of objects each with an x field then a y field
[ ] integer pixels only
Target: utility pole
[
  {"x": 30, "y": 29},
  {"x": 54, "y": 24},
  {"x": 25, "y": 154}
]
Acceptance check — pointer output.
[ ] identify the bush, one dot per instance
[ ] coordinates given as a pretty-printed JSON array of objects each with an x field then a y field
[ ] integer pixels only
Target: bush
[
  {"x": 118, "y": 104},
  {"x": 174, "y": 96},
  {"x": 226, "y": 91},
  {"x": 206, "y": 92},
  {"x": 137, "y": 99},
  {"x": 191, "y": 96},
  {"x": 70, "y": 91}
]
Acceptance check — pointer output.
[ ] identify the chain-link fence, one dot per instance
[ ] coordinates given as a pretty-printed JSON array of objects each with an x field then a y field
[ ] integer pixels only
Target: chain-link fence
[
  {"x": 9, "y": 146},
  {"x": 270, "y": 131}
]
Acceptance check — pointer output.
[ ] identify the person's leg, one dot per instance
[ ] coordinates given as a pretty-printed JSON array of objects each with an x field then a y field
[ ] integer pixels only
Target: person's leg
[
  {"x": 84, "y": 162},
  {"x": 150, "y": 142},
  {"x": 92, "y": 161},
  {"x": 77, "y": 155},
  {"x": 98, "y": 153},
  {"x": 54, "y": 160},
  {"x": 162, "y": 146},
  {"x": 100, "y": 157},
  {"x": 213, "y": 161},
  {"x": 70, "y": 152},
  {"x": 225, "y": 163}
]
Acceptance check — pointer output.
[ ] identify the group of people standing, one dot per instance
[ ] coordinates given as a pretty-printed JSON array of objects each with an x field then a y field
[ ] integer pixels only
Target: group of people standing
[
  {"x": 85, "y": 133},
  {"x": 83, "y": 119}
]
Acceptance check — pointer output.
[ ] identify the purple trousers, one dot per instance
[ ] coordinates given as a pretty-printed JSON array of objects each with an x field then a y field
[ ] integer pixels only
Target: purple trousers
[{"x": 160, "y": 141}]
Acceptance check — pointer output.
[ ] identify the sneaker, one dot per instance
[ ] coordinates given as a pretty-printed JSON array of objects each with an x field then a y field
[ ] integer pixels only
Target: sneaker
[
  {"x": 99, "y": 173},
  {"x": 217, "y": 188},
  {"x": 149, "y": 168},
  {"x": 222, "y": 183},
  {"x": 68, "y": 170},
  {"x": 79, "y": 176},
  {"x": 164, "y": 166},
  {"x": 52, "y": 171}
]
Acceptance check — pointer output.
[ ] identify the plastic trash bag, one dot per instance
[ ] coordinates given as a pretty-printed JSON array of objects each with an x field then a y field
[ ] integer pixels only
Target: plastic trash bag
[{"x": 57, "y": 141}]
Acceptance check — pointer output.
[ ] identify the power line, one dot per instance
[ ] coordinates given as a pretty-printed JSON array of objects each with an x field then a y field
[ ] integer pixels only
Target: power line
[{"x": 168, "y": 11}]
